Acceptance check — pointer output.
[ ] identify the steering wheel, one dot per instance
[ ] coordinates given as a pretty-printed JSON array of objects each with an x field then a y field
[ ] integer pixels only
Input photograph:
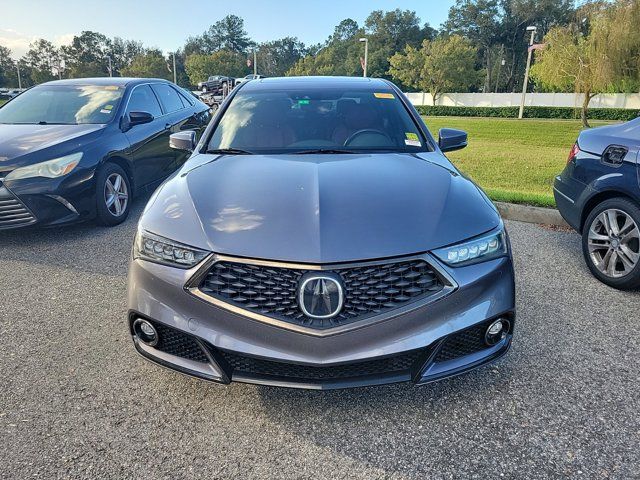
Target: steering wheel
[{"x": 355, "y": 135}]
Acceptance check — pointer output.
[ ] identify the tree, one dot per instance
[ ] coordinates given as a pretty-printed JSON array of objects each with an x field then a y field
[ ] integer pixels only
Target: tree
[
  {"x": 443, "y": 64},
  {"x": 226, "y": 34},
  {"x": 277, "y": 57},
  {"x": 85, "y": 57},
  {"x": 595, "y": 56},
  {"x": 43, "y": 60},
  {"x": 8, "y": 74},
  {"x": 148, "y": 64},
  {"x": 223, "y": 62},
  {"x": 122, "y": 53}
]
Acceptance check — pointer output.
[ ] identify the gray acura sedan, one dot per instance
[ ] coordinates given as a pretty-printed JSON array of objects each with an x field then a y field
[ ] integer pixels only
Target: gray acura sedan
[{"x": 318, "y": 238}]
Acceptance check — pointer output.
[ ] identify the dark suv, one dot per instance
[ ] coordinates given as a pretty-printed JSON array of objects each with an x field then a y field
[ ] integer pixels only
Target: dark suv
[{"x": 598, "y": 194}]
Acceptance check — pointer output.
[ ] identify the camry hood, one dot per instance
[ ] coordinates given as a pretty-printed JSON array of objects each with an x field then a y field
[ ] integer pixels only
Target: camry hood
[
  {"x": 17, "y": 141},
  {"x": 319, "y": 208}
]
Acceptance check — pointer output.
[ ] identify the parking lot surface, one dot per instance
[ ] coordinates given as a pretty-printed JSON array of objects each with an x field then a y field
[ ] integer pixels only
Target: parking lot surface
[{"x": 76, "y": 401}]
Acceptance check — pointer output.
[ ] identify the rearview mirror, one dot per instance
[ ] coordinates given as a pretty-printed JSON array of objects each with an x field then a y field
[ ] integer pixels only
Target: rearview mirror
[
  {"x": 450, "y": 139},
  {"x": 138, "y": 118},
  {"x": 185, "y": 140}
]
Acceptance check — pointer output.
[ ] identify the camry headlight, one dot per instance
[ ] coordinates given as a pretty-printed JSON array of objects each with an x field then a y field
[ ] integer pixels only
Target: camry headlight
[
  {"x": 154, "y": 248},
  {"x": 480, "y": 249},
  {"x": 49, "y": 169}
]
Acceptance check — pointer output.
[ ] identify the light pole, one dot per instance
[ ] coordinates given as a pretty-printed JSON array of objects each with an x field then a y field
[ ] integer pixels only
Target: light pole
[
  {"x": 526, "y": 72},
  {"x": 19, "y": 79},
  {"x": 175, "y": 77},
  {"x": 110, "y": 70},
  {"x": 366, "y": 55},
  {"x": 255, "y": 63}
]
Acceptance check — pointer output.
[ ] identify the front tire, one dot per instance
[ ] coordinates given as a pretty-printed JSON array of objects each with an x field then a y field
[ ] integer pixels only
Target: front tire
[
  {"x": 113, "y": 195},
  {"x": 611, "y": 243}
]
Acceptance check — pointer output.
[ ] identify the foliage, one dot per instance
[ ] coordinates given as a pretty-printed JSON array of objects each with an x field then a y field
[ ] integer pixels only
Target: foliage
[
  {"x": 149, "y": 64},
  {"x": 42, "y": 60},
  {"x": 223, "y": 62},
  {"x": 277, "y": 57},
  {"x": 592, "y": 58},
  {"x": 565, "y": 113},
  {"x": 441, "y": 65},
  {"x": 8, "y": 74},
  {"x": 226, "y": 34},
  {"x": 85, "y": 57},
  {"x": 387, "y": 32}
]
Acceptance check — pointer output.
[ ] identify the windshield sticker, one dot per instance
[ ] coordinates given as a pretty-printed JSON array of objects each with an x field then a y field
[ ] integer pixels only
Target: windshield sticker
[
  {"x": 383, "y": 95},
  {"x": 104, "y": 110},
  {"x": 110, "y": 107},
  {"x": 413, "y": 143},
  {"x": 412, "y": 136},
  {"x": 111, "y": 87}
]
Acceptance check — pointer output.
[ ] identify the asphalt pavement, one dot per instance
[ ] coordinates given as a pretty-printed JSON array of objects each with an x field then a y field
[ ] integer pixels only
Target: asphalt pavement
[{"x": 76, "y": 401}]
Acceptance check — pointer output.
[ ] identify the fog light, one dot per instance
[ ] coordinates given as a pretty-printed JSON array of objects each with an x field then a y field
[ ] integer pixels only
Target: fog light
[
  {"x": 497, "y": 331},
  {"x": 146, "y": 332}
]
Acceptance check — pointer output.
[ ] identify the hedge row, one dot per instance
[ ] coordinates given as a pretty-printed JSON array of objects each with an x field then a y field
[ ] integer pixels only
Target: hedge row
[{"x": 529, "y": 112}]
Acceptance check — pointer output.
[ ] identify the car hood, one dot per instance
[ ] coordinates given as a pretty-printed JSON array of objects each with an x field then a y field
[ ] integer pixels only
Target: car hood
[
  {"x": 319, "y": 208},
  {"x": 17, "y": 141}
]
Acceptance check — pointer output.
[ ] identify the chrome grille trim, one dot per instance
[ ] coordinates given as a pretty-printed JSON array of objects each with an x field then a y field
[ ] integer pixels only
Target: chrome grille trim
[
  {"x": 13, "y": 213},
  {"x": 192, "y": 287}
]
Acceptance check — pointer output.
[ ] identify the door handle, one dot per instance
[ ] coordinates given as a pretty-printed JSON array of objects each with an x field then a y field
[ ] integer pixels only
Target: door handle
[{"x": 167, "y": 126}]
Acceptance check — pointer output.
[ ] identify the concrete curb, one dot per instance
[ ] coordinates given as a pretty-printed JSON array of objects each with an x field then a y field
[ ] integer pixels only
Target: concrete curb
[{"x": 529, "y": 214}]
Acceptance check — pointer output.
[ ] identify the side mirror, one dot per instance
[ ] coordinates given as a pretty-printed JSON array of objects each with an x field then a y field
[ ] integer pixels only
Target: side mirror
[
  {"x": 185, "y": 140},
  {"x": 138, "y": 118},
  {"x": 450, "y": 139}
]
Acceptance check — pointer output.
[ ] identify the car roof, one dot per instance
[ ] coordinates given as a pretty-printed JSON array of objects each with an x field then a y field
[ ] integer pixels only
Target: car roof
[
  {"x": 277, "y": 83},
  {"x": 105, "y": 81}
]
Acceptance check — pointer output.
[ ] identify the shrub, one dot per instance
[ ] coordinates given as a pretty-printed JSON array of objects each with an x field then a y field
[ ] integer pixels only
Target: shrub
[{"x": 529, "y": 112}]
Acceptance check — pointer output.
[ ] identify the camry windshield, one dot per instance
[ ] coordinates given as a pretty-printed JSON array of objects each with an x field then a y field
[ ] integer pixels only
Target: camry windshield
[
  {"x": 316, "y": 121},
  {"x": 63, "y": 104}
]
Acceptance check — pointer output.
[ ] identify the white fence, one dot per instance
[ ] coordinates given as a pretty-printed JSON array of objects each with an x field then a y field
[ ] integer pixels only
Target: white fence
[{"x": 610, "y": 100}]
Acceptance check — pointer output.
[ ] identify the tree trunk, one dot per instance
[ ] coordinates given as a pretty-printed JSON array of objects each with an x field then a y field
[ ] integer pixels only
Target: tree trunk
[
  {"x": 435, "y": 94},
  {"x": 585, "y": 109}
]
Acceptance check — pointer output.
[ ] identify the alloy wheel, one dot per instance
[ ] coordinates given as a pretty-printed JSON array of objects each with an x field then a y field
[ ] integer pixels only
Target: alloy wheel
[
  {"x": 614, "y": 243},
  {"x": 116, "y": 194}
]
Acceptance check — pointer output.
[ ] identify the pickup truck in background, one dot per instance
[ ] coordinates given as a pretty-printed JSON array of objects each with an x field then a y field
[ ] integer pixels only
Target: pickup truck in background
[{"x": 217, "y": 84}]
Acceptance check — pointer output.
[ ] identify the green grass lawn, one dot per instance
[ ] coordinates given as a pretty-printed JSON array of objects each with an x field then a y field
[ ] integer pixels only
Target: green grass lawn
[
  {"x": 2, "y": 102},
  {"x": 513, "y": 160}
]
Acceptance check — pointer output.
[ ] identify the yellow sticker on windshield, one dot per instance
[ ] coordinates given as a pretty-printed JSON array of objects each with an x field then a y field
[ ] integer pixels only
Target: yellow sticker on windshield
[
  {"x": 383, "y": 95},
  {"x": 108, "y": 107},
  {"x": 411, "y": 136}
]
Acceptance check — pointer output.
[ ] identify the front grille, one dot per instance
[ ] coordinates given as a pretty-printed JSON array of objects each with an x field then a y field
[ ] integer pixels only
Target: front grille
[
  {"x": 403, "y": 363},
  {"x": 465, "y": 342},
  {"x": 12, "y": 212},
  {"x": 180, "y": 344},
  {"x": 369, "y": 290}
]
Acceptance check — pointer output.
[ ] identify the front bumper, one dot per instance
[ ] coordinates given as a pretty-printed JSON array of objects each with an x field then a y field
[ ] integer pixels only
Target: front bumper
[
  {"x": 47, "y": 201},
  {"x": 427, "y": 343}
]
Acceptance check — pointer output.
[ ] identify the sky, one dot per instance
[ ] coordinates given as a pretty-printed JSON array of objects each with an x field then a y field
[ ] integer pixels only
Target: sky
[{"x": 166, "y": 24}]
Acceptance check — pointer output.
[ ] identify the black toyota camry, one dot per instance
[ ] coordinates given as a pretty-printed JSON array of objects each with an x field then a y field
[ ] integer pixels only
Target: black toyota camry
[{"x": 79, "y": 149}]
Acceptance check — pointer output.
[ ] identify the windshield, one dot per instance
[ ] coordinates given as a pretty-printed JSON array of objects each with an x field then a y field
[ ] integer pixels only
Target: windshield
[
  {"x": 63, "y": 104},
  {"x": 322, "y": 120}
]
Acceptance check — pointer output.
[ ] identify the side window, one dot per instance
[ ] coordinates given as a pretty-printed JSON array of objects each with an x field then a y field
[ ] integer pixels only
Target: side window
[
  {"x": 169, "y": 98},
  {"x": 185, "y": 99},
  {"x": 143, "y": 100}
]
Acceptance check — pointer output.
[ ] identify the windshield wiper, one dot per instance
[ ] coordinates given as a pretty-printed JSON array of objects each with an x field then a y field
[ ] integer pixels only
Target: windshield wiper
[
  {"x": 328, "y": 151},
  {"x": 229, "y": 151}
]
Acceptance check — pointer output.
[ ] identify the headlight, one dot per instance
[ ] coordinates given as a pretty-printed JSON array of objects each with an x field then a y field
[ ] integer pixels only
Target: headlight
[
  {"x": 154, "y": 248},
  {"x": 49, "y": 169},
  {"x": 477, "y": 250}
]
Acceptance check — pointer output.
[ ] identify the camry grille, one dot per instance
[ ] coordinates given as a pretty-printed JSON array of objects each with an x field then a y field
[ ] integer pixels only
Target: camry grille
[
  {"x": 13, "y": 213},
  {"x": 368, "y": 290}
]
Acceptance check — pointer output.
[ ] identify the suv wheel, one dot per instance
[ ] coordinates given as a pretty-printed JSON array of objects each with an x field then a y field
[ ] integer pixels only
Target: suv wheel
[
  {"x": 611, "y": 243},
  {"x": 113, "y": 195}
]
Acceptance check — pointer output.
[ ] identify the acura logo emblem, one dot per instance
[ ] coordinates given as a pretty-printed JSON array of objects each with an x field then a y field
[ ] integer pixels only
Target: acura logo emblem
[{"x": 320, "y": 296}]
